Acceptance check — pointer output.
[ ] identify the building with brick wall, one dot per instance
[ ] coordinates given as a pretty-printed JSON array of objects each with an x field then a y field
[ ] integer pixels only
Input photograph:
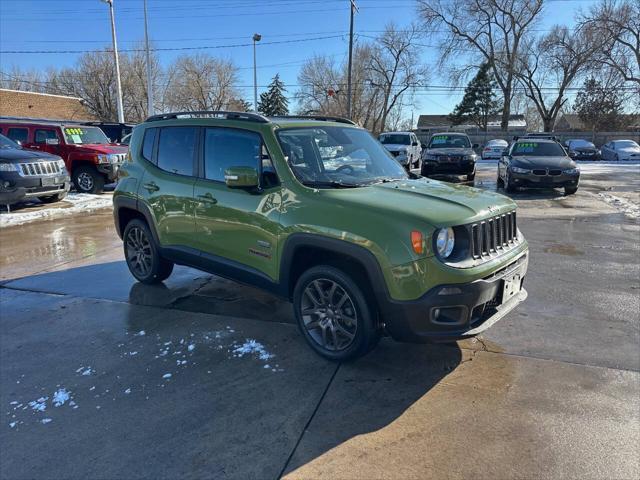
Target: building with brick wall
[{"x": 15, "y": 103}]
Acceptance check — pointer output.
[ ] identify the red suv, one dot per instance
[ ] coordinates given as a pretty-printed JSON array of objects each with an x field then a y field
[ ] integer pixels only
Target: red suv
[{"x": 88, "y": 154}]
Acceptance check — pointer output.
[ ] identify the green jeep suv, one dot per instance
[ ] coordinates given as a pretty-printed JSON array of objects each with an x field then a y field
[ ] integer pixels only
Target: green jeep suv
[{"x": 315, "y": 210}]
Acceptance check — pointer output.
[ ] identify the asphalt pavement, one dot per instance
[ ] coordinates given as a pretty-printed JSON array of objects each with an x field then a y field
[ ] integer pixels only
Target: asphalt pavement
[{"x": 102, "y": 377}]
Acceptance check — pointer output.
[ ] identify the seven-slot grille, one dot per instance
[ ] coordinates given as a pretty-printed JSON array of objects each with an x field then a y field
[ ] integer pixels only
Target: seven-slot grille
[
  {"x": 493, "y": 235},
  {"x": 39, "y": 168}
]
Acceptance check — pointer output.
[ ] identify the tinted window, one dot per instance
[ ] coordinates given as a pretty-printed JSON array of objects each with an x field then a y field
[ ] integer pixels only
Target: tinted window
[
  {"x": 397, "y": 139},
  {"x": 538, "y": 149},
  {"x": 148, "y": 142},
  {"x": 18, "y": 134},
  {"x": 224, "y": 148},
  {"x": 176, "y": 149},
  {"x": 41, "y": 136}
]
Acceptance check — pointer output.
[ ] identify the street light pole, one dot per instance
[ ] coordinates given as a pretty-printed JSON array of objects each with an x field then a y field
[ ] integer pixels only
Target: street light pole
[
  {"x": 353, "y": 8},
  {"x": 149, "y": 82},
  {"x": 256, "y": 38},
  {"x": 115, "y": 56}
]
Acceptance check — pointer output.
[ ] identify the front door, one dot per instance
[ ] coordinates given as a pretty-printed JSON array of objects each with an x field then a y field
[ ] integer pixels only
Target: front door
[
  {"x": 237, "y": 224},
  {"x": 167, "y": 184},
  {"x": 46, "y": 140}
]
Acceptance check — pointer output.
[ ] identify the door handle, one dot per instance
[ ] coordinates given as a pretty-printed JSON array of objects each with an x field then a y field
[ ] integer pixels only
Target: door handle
[
  {"x": 151, "y": 187},
  {"x": 207, "y": 198}
]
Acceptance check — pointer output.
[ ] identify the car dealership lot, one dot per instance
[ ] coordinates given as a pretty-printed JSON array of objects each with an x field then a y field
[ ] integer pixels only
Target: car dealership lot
[{"x": 203, "y": 377}]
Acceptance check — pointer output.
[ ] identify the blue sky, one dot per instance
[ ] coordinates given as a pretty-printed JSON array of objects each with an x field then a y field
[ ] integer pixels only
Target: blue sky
[{"x": 73, "y": 25}]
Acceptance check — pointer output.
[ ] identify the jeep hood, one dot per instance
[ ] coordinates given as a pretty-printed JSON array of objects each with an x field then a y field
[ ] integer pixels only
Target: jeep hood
[
  {"x": 19, "y": 155},
  {"x": 436, "y": 203},
  {"x": 394, "y": 147}
]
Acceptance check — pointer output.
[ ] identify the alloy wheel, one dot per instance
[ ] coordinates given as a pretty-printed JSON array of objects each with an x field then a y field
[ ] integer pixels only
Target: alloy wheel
[
  {"x": 329, "y": 315},
  {"x": 138, "y": 251},
  {"x": 85, "y": 181}
]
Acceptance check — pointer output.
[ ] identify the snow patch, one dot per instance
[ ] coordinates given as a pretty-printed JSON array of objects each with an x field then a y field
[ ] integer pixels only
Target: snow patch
[
  {"x": 39, "y": 405},
  {"x": 251, "y": 346},
  {"x": 630, "y": 209},
  {"x": 127, "y": 391},
  {"x": 73, "y": 204},
  {"x": 166, "y": 375},
  {"x": 191, "y": 347},
  {"x": 12, "y": 424},
  {"x": 45, "y": 420},
  {"x": 141, "y": 333},
  {"x": 60, "y": 397}
]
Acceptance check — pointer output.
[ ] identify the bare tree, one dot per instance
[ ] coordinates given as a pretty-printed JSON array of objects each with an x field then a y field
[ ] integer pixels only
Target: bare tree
[
  {"x": 26, "y": 80},
  {"x": 494, "y": 29},
  {"x": 201, "y": 82},
  {"x": 134, "y": 83},
  {"x": 617, "y": 24},
  {"x": 394, "y": 67},
  {"x": 554, "y": 63}
]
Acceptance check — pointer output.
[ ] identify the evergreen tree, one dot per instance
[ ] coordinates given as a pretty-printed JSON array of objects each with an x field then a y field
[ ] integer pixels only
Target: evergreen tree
[
  {"x": 598, "y": 107},
  {"x": 273, "y": 101},
  {"x": 479, "y": 102}
]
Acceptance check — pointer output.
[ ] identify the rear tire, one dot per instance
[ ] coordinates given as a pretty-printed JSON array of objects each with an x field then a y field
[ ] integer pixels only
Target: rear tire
[
  {"x": 570, "y": 190},
  {"x": 53, "y": 198},
  {"x": 333, "y": 314},
  {"x": 87, "y": 179},
  {"x": 142, "y": 256}
]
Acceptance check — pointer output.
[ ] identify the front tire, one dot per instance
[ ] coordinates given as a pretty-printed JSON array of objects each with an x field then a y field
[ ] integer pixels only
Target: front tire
[
  {"x": 333, "y": 314},
  {"x": 471, "y": 177},
  {"x": 142, "y": 256},
  {"x": 508, "y": 187},
  {"x": 87, "y": 179}
]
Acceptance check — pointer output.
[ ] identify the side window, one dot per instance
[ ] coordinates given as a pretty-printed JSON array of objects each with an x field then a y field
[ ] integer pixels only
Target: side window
[
  {"x": 18, "y": 134},
  {"x": 148, "y": 142},
  {"x": 176, "y": 149},
  {"x": 225, "y": 147},
  {"x": 41, "y": 136}
]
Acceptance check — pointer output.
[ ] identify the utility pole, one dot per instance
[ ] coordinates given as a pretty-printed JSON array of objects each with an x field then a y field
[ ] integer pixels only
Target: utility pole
[
  {"x": 353, "y": 9},
  {"x": 256, "y": 38},
  {"x": 150, "y": 109},
  {"x": 115, "y": 57}
]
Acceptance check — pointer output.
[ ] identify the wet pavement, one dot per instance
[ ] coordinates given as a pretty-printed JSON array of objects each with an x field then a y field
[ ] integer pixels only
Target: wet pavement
[{"x": 202, "y": 377}]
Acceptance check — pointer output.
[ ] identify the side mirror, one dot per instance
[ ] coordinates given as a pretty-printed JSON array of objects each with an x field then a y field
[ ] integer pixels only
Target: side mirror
[
  {"x": 414, "y": 144},
  {"x": 475, "y": 145},
  {"x": 53, "y": 141},
  {"x": 241, "y": 177}
]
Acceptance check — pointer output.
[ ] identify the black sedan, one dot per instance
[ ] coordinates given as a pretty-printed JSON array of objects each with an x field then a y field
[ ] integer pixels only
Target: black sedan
[
  {"x": 26, "y": 174},
  {"x": 582, "y": 150},
  {"x": 538, "y": 163}
]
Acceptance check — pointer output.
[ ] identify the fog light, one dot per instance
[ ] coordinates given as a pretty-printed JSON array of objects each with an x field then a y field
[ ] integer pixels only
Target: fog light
[
  {"x": 450, "y": 315},
  {"x": 6, "y": 184}
]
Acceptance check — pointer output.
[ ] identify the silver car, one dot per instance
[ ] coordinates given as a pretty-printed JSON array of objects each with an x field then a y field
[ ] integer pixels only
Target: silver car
[
  {"x": 620, "y": 150},
  {"x": 494, "y": 149}
]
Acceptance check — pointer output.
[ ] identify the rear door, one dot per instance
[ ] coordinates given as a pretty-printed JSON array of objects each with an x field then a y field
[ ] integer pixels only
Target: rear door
[
  {"x": 167, "y": 184},
  {"x": 237, "y": 224}
]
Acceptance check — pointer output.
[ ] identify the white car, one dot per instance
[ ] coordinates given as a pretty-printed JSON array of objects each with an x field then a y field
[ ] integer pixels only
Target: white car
[
  {"x": 494, "y": 149},
  {"x": 404, "y": 146},
  {"x": 620, "y": 150}
]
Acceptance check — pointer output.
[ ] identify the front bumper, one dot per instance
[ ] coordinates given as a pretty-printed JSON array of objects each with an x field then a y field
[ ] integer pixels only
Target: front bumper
[
  {"x": 530, "y": 180},
  {"x": 430, "y": 167},
  {"x": 109, "y": 170},
  {"x": 21, "y": 188},
  {"x": 456, "y": 311}
]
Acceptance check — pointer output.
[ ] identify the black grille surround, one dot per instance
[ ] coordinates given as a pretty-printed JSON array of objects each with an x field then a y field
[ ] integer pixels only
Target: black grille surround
[{"x": 492, "y": 236}]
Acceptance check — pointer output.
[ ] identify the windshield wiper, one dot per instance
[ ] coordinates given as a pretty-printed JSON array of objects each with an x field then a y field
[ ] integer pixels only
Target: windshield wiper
[{"x": 331, "y": 184}]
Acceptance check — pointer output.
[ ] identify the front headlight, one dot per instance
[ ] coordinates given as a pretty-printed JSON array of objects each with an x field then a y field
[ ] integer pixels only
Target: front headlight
[
  {"x": 572, "y": 171},
  {"x": 520, "y": 170},
  {"x": 103, "y": 158},
  {"x": 61, "y": 164},
  {"x": 466, "y": 158},
  {"x": 445, "y": 241},
  {"x": 8, "y": 167}
]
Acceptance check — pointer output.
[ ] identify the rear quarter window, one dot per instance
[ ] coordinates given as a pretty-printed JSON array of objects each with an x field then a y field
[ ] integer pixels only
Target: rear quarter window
[{"x": 148, "y": 142}]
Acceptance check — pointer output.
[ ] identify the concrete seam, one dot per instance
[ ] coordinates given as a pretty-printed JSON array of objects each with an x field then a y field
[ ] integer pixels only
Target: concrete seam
[{"x": 311, "y": 417}]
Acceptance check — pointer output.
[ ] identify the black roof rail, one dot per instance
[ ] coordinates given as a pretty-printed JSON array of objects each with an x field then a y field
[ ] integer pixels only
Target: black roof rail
[
  {"x": 41, "y": 120},
  {"x": 323, "y": 118},
  {"x": 247, "y": 116}
]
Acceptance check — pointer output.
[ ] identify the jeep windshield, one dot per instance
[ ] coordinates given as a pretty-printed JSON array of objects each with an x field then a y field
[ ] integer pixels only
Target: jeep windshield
[
  {"x": 84, "y": 135},
  {"x": 394, "y": 139},
  {"x": 449, "y": 141},
  {"x": 337, "y": 157},
  {"x": 538, "y": 149}
]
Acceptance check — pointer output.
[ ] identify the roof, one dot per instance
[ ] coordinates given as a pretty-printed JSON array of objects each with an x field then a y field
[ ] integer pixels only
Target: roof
[
  {"x": 572, "y": 121},
  {"x": 14, "y": 103},
  {"x": 430, "y": 121},
  {"x": 396, "y": 133}
]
